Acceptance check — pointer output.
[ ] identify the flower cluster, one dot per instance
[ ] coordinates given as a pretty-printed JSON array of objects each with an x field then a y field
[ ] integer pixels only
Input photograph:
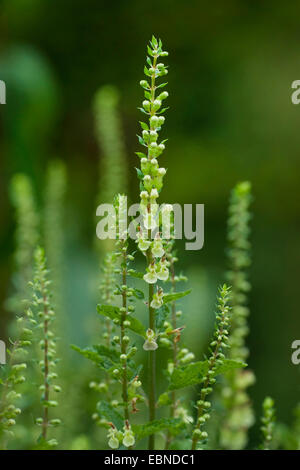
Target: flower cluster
[
  {"x": 151, "y": 175},
  {"x": 116, "y": 437},
  {"x": 218, "y": 345}
]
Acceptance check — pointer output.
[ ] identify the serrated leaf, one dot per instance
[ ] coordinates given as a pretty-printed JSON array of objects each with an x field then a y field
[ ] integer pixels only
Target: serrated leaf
[
  {"x": 107, "y": 411},
  {"x": 138, "y": 294},
  {"x": 161, "y": 315},
  {"x": 153, "y": 427},
  {"x": 102, "y": 362},
  {"x": 175, "y": 296},
  {"x": 230, "y": 364},
  {"x": 107, "y": 352},
  {"x": 114, "y": 313},
  {"x": 193, "y": 373}
]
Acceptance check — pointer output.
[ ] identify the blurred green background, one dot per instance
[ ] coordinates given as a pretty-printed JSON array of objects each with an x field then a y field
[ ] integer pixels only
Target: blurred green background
[{"x": 231, "y": 118}]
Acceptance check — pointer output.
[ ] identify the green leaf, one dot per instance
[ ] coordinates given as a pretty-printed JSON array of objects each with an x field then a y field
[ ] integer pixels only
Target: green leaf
[
  {"x": 193, "y": 373},
  {"x": 138, "y": 294},
  {"x": 155, "y": 426},
  {"x": 141, "y": 140},
  {"x": 149, "y": 51},
  {"x": 229, "y": 364},
  {"x": 164, "y": 399},
  {"x": 143, "y": 111},
  {"x": 163, "y": 110},
  {"x": 103, "y": 362},
  {"x": 114, "y": 313},
  {"x": 107, "y": 411},
  {"x": 161, "y": 315},
  {"x": 144, "y": 126},
  {"x": 175, "y": 296},
  {"x": 140, "y": 154},
  {"x": 136, "y": 274},
  {"x": 140, "y": 174},
  {"x": 107, "y": 352},
  {"x": 146, "y": 72},
  {"x": 162, "y": 85}
]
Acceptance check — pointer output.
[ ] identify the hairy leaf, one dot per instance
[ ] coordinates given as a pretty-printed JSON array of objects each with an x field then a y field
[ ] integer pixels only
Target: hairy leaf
[
  {"x": 107, "y": 411},
  {"x": 175, "y": 296},
  {"x": 193, "y": 373},
  {"x": 155, "y": 426},
  {"x": 114, "y": 313}
]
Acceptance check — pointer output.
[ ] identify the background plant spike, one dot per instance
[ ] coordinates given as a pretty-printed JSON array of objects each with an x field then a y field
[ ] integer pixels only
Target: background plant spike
[
  {"x": 268, "y": 422},
  {"x": 113, "y": 166},
  {"x": 239, "y": 415},
  {"x": 12, "y": 376},
  {"x": 26, "y": 239}
]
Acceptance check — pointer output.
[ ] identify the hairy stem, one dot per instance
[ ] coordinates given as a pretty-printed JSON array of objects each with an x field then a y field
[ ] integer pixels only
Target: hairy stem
[
  {"x": 152, "y": 361},
  {"x": 123, "y": 344},
  {"x": 175, "y": 351},
  {"x": 46, "y": 368}
]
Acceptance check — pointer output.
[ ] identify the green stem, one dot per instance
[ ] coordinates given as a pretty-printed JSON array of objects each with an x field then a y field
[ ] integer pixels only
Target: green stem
[
  {"x": 123, "y": 344},
  {"x": 203, "y": 395},
  {"x": 152, "y": 361},
  {"x": 152, "y": 355},
  {"x": 46, "y": 369},
  {"x": 175, "y": 352}
]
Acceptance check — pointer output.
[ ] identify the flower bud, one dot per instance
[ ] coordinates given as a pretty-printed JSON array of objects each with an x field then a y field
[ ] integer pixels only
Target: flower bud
[
  {"x": 161, "y": 120},
  {"x": 156, "y": 105},
  {"x": 154, "y": 122},
  {"x": 144, "y": 84},
  {"x": 123, "y": 358},
  {"x": 163, "y": 95},
  {"x": 146, "y": 105}
]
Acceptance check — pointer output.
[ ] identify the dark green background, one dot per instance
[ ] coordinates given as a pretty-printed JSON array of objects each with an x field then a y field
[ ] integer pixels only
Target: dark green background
[{"x": 231, "y": 118}]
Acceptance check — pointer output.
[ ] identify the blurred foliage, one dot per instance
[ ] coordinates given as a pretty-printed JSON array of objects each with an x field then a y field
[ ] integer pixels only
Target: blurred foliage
[{"x": 232, "y": 119}]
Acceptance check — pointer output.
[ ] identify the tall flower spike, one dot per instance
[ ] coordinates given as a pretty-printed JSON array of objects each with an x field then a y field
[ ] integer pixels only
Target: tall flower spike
[{"x": 151, "y": 182}]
